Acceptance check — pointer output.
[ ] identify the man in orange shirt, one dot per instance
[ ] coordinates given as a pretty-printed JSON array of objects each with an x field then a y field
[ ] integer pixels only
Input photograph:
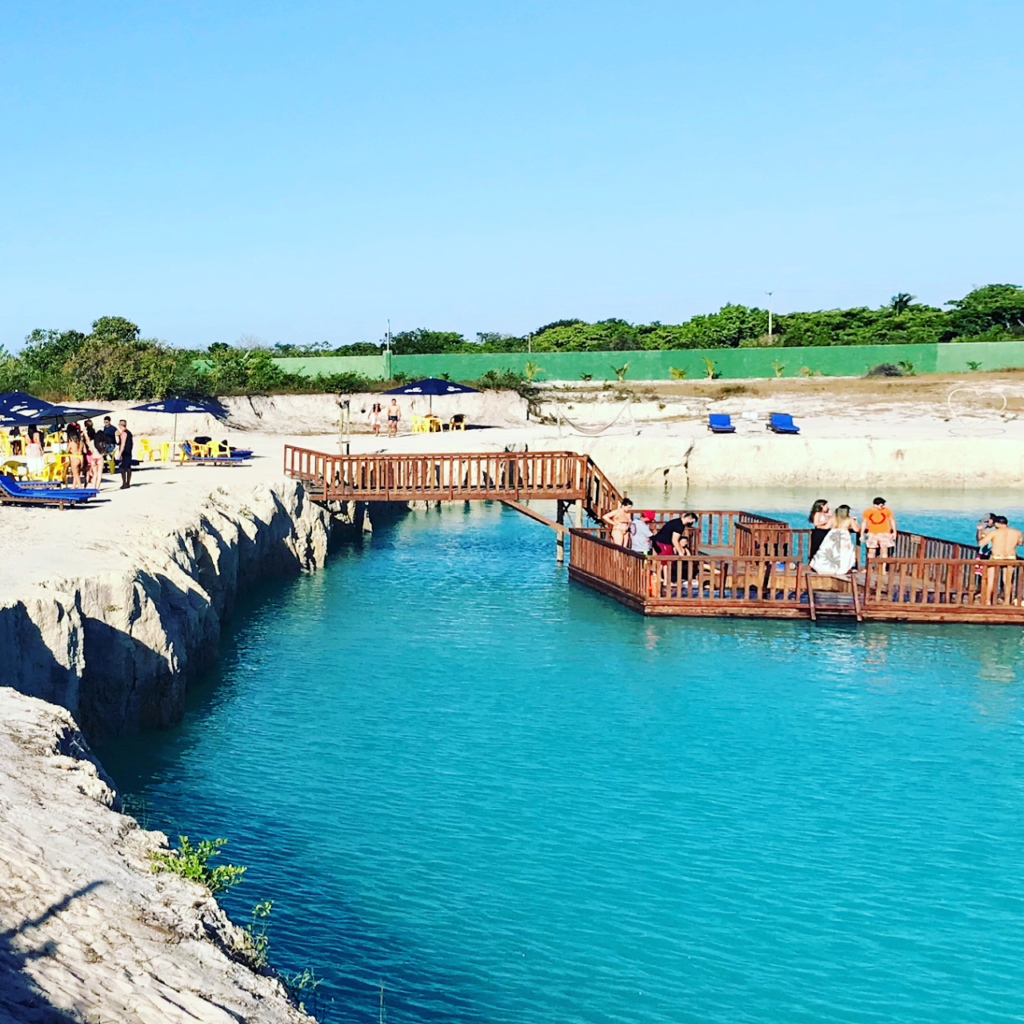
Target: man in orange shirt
[{"x": 879, "y": 526}]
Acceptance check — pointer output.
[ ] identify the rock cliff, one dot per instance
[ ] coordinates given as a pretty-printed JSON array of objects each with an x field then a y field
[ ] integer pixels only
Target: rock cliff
[
  {"x": 87, "y": 931},
  {"x": 118, "y": 649}
]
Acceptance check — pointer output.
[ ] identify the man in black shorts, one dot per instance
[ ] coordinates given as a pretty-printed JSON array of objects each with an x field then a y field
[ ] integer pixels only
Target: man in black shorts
[{"x": 125, "y": 443}]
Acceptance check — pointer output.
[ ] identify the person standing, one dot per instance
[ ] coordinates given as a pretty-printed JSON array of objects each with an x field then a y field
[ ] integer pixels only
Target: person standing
[
  {"x": 93, "y": 456},
  {"x": 837, "y": 554},
  {"x": 1003, "y": 541},
  {"x": 879, "y": 529},
  {"x": 125, "y": 443},
  {"x": 394, "y": 415},
  {"x": 376, "y": 413},
  {"x": 821, "y": 520},
  {"x": 619, "y": 519},
  {"x": 76, "y": 453},
  {"x": 640, "y": 533},
  {"x": 34, "y": 452},
  {"x": 109, "y": 432}
]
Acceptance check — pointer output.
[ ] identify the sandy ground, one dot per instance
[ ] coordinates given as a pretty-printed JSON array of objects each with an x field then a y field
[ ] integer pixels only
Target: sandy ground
[{"x": 860, "y": 422}]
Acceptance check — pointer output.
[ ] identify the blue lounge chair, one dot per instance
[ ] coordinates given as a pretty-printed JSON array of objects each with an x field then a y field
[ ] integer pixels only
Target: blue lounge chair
[
  {"x": 188, "y": 456},
  {"x": 782, "y": 423},
  {"x": 14, "y": 493},
  {"x": 720, "y": 423}
]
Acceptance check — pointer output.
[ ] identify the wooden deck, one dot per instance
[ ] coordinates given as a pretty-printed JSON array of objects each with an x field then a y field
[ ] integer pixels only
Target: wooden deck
[{"x": 749, "y": 565}]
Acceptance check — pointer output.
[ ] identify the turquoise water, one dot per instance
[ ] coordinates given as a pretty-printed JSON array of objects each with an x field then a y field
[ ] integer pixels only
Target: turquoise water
[{"x": 512, "y": 800}]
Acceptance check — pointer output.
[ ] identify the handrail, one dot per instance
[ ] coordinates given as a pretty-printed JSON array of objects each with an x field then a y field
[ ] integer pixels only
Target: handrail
[{"x": 449, "y": 476}]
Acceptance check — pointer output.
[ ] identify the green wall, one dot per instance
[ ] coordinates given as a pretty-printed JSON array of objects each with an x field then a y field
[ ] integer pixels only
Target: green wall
[
  {"x": 310, "y": 366},
  {"x": 841, "y": 361}
]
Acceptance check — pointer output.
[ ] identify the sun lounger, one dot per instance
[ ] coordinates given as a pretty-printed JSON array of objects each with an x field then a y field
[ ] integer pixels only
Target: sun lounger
[
  {"x": 720, "y": 423},
  {"x": 13, "y": 492},
  {"x": 782, "y": 423},
  {"x": 193, "y": 458}
]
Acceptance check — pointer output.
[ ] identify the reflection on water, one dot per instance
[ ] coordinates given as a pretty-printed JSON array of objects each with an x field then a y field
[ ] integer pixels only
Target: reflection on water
[{"x": 515, "y": 800}]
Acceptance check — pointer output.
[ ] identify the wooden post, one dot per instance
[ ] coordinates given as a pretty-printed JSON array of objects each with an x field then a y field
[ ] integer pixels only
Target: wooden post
[
  {"x": 559, "y": 535},
  {"x": 579, "y": 513}
]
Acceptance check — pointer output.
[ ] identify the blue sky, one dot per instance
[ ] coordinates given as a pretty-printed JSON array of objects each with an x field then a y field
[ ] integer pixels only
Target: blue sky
[{"x": 304, "y": 171}]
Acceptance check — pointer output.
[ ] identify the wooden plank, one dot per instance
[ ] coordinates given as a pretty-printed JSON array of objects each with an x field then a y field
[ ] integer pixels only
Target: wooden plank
[{"x": 527, "y": 511}]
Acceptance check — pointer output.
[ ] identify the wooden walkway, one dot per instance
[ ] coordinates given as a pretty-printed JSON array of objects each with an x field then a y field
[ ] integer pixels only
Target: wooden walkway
[
  {"x": 749, "y": 565},
  {"x": 512, "y": 476}
]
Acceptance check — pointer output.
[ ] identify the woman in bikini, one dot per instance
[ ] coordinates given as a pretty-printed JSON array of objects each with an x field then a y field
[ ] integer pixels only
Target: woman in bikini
[
  {"x": 76, "y": 453},
  {"x": 93, "y": 456},
  {"x": 376, "y": 413},
  {"x": 619, "y": 519}
]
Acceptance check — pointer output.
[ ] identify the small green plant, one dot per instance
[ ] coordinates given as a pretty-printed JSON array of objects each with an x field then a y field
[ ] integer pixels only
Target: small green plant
[
  {"x": 620, "y": 372},
  {"x": 677, "y": 372},
  {"x": 973, "y": 365},
  {"x": 778, "y": 367},
  {"x": 710, "y": 370},
  {"x": 446, "y": 376},
  {"x": 586, "y": 376},
  {"x": 908, "y": 367},
  {"x": 531, "y": 370},
  {"x": 303, "y": 985},
  {"x": 194, "y": 862},
  {"x": 805, "y": 371},
  {"x": 257, "y": 942}
]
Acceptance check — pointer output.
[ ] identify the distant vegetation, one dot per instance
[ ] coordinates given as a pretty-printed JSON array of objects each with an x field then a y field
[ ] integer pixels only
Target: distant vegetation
[
  {"x": 113, "y": 362},
  {"x": 992, "y": 313}
]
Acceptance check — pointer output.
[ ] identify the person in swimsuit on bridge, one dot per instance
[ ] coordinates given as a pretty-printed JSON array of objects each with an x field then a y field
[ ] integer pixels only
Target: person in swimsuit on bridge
[{"x": 1003, "y": 541}]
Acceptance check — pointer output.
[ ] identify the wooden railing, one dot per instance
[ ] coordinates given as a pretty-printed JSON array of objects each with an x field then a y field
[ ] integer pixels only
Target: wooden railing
[
  {"x": 618, "y": 568},
  {"x": 407, "y": 477},
  {"x": 664, "y": 581},
  {"x": 956, "y": 582}
]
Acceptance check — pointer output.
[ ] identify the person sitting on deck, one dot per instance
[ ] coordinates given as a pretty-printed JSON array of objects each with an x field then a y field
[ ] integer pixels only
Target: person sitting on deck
[
  {"x": 1003, "y": 541},
  {"x": 879, "y": 529},
  {"x": 640, "y": 533},
  {"x": 837, "y": 555},
  {"x": 821, "y": 520},
  {"x": 619, "y": 519}
]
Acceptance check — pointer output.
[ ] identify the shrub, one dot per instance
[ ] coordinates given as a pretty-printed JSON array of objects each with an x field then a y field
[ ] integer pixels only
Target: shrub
[
  {"x": 884, "y": 370},
  {"x": 194, "y": 862}
]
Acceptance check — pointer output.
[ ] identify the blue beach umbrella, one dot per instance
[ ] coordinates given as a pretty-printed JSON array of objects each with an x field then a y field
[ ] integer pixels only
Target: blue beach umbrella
[
  {"x": 176, "y": 406},
  {"x": 18, "y": 407},
  {"x": 433, "y": 386}
]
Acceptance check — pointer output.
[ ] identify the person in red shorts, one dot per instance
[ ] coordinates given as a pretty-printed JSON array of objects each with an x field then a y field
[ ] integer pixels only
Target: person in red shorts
[{"x": 879, "y": 529}]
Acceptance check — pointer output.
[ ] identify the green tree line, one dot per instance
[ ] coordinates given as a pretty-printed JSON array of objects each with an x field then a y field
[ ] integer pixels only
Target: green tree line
[
  {"x": 992, "y": 313},
  {"x": 114, "y": 362}
]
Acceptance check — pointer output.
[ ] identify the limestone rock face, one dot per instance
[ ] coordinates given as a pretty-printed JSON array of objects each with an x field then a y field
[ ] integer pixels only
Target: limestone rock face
[
  {"x": 119, "y": 649},
  {"x": 87, "y": 931}
]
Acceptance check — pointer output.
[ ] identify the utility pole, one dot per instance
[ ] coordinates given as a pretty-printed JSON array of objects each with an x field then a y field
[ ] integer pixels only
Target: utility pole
[{"x": 769, "y": 294}]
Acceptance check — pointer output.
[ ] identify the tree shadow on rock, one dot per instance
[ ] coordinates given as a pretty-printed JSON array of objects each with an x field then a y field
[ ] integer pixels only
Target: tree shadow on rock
[{"x": 21, "y": 1000}]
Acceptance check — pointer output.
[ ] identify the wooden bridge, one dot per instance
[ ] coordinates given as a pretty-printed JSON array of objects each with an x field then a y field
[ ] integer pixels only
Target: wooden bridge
[
  {"x": 744, "y": 564},
  {"x": 505, "y": 476}
]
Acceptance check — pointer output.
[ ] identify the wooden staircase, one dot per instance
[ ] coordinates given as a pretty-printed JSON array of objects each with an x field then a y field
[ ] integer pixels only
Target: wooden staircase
[{"x": 834, "y": 597}]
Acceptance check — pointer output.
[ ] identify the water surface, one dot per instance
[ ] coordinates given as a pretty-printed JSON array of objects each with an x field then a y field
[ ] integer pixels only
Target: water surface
[{"x": 513, "y": 800}]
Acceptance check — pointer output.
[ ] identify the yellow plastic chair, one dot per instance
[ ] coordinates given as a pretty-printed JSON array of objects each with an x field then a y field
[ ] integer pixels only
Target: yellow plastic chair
[
  {"x": 146, "y": 449},
  {"x": 16, "y": 469},
  {"x": 165, "y": 451},
  {"x": 457, "y": 422},
  {"x": 419, "y": 425}
]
